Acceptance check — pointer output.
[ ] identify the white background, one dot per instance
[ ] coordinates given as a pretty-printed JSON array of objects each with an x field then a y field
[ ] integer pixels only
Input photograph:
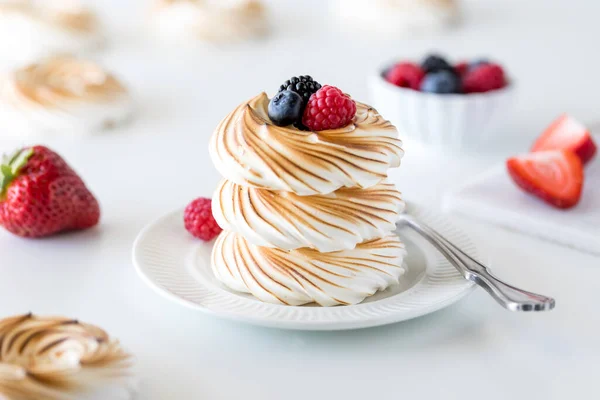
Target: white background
[{"x": 472, "y": 350}]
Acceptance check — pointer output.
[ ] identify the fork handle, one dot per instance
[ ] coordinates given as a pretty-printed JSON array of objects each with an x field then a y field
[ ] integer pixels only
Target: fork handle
[{"x": 508, "y": 296}]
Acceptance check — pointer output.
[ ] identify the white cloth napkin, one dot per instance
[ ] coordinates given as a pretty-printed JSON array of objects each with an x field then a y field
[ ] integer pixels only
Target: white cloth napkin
[{"x": 493, "y": 197}]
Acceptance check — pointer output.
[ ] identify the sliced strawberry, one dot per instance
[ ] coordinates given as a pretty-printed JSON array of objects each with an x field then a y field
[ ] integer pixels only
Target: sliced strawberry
[
  {"x": 569, "y": 134},
  {"x": 555, "y": 176}
]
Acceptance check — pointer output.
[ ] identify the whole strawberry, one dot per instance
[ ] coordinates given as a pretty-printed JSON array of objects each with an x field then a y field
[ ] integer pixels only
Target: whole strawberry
[{"x": 41, "y": 195}]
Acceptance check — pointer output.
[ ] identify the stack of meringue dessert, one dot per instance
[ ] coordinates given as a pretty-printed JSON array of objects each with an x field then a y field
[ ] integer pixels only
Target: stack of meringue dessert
[{"x": 307, "y": 211}]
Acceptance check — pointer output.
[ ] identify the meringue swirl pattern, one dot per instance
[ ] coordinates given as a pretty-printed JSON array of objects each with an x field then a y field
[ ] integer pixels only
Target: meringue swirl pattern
[
  {"x": 58, "y": 358},
  {"x": 249, "y": 150},
  {"x": 63, "y": 94},
  {"x": 306, "y": 216},
  {"x": 336, "y": 221},
  {"x": 305, "y": 275}
]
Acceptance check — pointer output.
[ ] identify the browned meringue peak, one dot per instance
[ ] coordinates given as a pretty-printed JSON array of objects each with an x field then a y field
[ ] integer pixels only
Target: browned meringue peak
[
  {"x": 335, "y": 221},
  {"x": 249, "y": 150},
  {"x": 54, "y": 81},
  {"x": 303, "y": 276},
  {"x": 53, "y": 358}
]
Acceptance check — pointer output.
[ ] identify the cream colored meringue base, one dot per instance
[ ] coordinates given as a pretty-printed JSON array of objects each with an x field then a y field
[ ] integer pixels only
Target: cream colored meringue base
[
  {"x": 246, "y": 148},
  {"x": 190, "y": 21},
  {"x": 76, "y": 116},
  {"x": 396, "y": 16},
  {"x": 304, "y": 276},
  {"x": 284, "y": 220},
  {"x": 54, "y": 358},
  {"x": 25, "y": 39}
]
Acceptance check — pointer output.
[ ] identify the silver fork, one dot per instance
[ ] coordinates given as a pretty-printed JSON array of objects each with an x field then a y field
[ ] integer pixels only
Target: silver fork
[{"x": 508, "y": 296}]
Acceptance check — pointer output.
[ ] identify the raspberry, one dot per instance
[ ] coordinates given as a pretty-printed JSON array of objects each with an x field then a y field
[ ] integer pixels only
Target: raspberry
[
  {"x": 461, "y": 68},
  {"x": 328, "y": 108},
  {"x": 484, "y": 78},
  {"x": 199, "y": 221},
  {"x": 405, "y": 74}
]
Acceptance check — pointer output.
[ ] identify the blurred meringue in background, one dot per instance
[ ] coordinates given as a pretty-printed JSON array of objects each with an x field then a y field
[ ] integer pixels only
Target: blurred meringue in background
[
  {"x": 63, "y": 95},
  {"x": 396, "y": 16},
  {"x": 208, "y": 20},
  {"x": 31, "y": 29},
  {"x": 56, "y": 358}
]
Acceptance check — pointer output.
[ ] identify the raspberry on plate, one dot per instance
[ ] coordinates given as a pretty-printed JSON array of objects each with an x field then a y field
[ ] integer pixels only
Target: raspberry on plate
[
  {"x": 484, "y": 78},
  {"x": 328, "y": 108},
  {"x": 405, "y": 74},
  {"x": 199, "y": 220}
]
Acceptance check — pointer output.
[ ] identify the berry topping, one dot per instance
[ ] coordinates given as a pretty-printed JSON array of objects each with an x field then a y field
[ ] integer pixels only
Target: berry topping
[
  {"x": 304, "y": 85},
  {"x": 328, "y": 108},
  {"x": 484, "y": 78},
  {"x": 199, "y": 221},
  {"x": 434, "y": 63},
  {"x": 461, "y": 68},
  {"x": 477, "y": 63},
  {"x": 405, "y": 74},
  {"x": 441, "y": 82},
  {"x": 566, "y": 133},
  {"x": 554, "y": 176},
  {"x": 286, "y": 108}
]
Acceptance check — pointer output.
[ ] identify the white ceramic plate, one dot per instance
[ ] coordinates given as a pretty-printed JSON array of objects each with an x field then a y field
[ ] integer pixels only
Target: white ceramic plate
[{"x": 178, "y": 267}]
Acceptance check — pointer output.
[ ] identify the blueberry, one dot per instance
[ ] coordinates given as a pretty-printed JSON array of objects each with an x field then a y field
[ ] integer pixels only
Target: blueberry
[
  {"x": 285, "y": 108},
  {"x": 434, "y": 63},
  {"x": 477, "y": 63},
  {"x": 441, "y": 82}
]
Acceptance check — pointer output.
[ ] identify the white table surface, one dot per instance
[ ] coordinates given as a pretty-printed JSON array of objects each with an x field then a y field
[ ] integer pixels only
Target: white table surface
[{"x": 471, "y": 350}]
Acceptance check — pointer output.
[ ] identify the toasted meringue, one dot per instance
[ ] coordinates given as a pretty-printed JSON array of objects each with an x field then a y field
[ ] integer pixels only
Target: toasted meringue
[
  {"x": 58, "y": 358},
  {"x": 249, "y": 150},
  {"x": 336, "y": 221},
  {"x": 304, "y": 276},
  {"x": 30, "y": 30},
  {"x": 396, "y": 16},
  {"x": 212, "y": 21},
  {"x": 65, "y": 95}
]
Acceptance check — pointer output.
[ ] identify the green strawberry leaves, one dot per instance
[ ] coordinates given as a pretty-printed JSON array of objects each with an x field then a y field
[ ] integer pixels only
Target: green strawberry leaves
[{"x": 10, "y": 167}]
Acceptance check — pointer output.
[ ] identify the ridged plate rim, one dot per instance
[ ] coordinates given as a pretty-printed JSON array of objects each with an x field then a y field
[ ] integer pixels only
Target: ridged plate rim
[{"x": 160, "y": 260}]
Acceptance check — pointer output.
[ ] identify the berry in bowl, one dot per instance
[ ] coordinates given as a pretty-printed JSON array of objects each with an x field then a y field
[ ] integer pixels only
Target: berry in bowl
[{"x": 444, "y": 104}]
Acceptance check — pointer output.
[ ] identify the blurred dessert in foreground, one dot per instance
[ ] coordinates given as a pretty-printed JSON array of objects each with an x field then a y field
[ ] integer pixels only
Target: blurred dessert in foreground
[
  {"x": 30, "y": 30},
  {"x": 208, "y": 20},
  {"x": 396, "y": 16},
  {"x": 55, "y": 358},
  {"x": 307, "y": 212},
  {"x": 62, "y": 95}
]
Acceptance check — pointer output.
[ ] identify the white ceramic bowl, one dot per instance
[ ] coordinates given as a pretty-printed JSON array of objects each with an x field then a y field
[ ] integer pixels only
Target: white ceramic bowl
[{"x": 442, "y": 120}]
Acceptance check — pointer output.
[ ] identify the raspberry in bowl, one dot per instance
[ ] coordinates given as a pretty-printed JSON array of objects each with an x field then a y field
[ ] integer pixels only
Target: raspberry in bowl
[{"x": 444, "y": 104}]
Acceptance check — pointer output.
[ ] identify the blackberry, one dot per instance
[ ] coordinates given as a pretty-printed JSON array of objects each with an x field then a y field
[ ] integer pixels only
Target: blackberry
[
  {"x": 304, "y": 85},
  {"x": 435, "y": 63}
]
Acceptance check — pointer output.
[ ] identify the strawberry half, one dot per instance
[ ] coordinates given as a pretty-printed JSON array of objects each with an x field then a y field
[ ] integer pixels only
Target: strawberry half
[
  {"x": 554, "y": 176},
  {"x": 566, "y": 133},
  {"x": 41, "y": 195}
]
